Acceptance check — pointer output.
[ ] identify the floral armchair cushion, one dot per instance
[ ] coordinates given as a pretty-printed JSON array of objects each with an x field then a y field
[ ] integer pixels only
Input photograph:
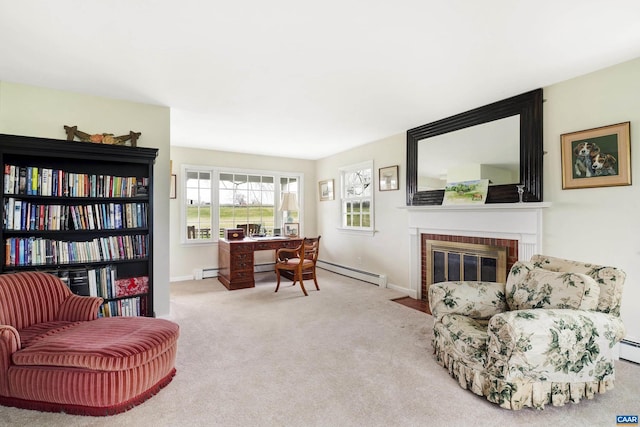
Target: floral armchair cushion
[
  {"x": 478, "y": 300},
  {"x": 532, "y": 287},
  {"x": 610, "y": 279}
]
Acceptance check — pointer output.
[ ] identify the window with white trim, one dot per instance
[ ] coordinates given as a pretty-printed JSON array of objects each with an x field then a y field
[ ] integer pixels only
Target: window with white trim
[
  {"x": 197, "y": 209},
  {"x": 356, "y": 189},
  {"x": 219, "y": 198}
]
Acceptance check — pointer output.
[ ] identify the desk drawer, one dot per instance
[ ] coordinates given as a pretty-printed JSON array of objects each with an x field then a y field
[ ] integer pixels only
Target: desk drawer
[
  {"x": 242, "y": 275},
  {"x": 277, "y": 244},
  {"x": 242, "y": 261}
]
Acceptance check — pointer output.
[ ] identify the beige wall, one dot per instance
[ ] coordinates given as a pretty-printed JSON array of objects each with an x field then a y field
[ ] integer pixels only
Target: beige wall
[
  {"x": 187, "y": 257},
  {"x": 387, "y": 250},
  {"x": 598, "y": 225},
  {"x": 33, "y": 111}
]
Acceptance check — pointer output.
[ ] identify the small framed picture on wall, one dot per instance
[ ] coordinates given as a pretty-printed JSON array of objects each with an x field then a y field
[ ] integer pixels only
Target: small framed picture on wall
[
  {"x": 326, "y": 189},
  {"x": 388, "y": 178}
]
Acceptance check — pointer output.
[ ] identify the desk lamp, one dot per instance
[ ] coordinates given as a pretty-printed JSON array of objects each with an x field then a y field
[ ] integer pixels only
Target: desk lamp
[{"x": 289, "y": 205}]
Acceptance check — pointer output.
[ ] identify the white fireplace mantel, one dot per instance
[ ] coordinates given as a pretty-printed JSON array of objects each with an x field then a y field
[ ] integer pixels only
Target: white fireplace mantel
[{"x": 514, "y": 221}]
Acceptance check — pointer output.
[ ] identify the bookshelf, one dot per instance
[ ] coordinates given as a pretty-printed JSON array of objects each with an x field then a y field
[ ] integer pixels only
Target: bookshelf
[{"x": 84, "y": 212}]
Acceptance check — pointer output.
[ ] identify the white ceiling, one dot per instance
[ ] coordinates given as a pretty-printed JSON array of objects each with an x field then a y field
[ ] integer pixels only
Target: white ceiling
[{"x": 309, "y": 79}]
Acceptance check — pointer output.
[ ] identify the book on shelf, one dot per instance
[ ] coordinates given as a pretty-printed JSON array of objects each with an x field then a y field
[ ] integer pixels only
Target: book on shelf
[
  {"x": 25, "y": 251},
  {"x": 37, "y": 181},
  {"x": 135, "y": 306},
  {"x": 25, "y": 215}
]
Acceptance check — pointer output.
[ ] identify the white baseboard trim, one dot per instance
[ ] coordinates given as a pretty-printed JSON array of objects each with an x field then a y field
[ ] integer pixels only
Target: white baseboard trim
[
  {"x": 410, "y": 292},
  {"x": 180, "y": 278},
  {"x": 630, "y": 350},
  {"x": 209, "y": 272},
  {"x": 365, "y": 276}
]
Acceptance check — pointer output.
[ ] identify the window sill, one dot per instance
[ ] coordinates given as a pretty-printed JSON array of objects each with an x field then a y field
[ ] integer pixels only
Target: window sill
[
  {"x": 356, "y": 231},
  {"x": 199, "y": 242}
]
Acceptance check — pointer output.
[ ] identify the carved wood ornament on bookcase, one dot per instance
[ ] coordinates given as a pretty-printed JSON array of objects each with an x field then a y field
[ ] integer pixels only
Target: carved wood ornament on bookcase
[{"x": 102, "y": 138}]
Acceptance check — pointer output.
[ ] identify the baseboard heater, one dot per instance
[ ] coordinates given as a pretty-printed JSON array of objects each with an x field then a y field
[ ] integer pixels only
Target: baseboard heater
[
  {"x": 205, "y": 273},
  {"x": 209, "y": 272},
  {"x": 630, "y": 350},
  {"x": 365, "y": 276}
]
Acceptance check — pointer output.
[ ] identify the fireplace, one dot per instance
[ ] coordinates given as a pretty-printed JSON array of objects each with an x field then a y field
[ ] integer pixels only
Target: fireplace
[
  {"x": 517, "y": 227},
  {"x": 452, "y": 258}
]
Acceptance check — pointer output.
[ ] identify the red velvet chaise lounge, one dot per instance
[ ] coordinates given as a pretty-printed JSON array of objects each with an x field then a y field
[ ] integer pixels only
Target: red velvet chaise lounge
[{"x": 56, "y": 355}]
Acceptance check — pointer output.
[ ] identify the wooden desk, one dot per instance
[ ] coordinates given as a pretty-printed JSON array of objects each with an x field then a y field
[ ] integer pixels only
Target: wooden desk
[{"x": 235, "y": 258}]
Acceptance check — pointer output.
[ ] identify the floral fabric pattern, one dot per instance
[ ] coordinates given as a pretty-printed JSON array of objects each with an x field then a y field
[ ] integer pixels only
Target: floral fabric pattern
[
  {"x": 478, "y": 300},
  {"x": 610, "y": 279},
  {"x": 552, "y": 344},
  {"x": 539, "y": 288}
]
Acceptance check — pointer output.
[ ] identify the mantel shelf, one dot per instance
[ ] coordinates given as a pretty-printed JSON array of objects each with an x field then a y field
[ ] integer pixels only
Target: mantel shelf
[{"x": 486, "y": 207}]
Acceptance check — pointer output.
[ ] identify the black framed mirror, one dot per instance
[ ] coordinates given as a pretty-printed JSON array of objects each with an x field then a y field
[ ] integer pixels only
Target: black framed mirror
[{"x": 528, "y": 106}]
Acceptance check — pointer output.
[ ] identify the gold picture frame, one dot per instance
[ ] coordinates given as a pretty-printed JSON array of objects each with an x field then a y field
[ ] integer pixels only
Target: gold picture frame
[
  {"x": 599, "y": 157},
  {"x": 388, "y": 178},
  {"x": 325, "y": 189}
]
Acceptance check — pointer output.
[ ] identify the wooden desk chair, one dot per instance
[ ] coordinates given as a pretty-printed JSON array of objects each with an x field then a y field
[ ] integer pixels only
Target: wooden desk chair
[
  {"x": 299, "y": 262},
  {"x": 249, "y": 229}
]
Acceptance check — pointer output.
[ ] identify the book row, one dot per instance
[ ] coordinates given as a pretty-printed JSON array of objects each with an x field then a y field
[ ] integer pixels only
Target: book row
[
  {"x": 124, "y": 307},
  {"x": 23, "y": 251},
  {"x": 37, "y": 181},
  {"x": 24, "y": 215},
  {"x": 101, "y": 282}
]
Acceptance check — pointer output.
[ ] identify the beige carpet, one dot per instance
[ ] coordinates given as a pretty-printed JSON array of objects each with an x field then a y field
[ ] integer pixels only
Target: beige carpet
[{"x": 344, "y": 356}]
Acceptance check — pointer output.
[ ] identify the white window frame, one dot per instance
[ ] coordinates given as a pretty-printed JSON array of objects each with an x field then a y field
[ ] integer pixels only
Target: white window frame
[
  {"x": 215, "y": 205},
  {"x": 345, "y": 198}
]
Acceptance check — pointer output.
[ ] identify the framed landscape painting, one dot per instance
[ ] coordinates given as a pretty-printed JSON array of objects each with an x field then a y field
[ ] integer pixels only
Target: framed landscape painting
[
  {"x": 598, "y": 157},
  {"x": 466, "y": 192},
  {"x": 326, "y": 189}
]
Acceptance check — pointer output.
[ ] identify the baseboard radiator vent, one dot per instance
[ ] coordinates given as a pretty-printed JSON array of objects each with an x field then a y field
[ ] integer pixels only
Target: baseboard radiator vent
[
  {"x": 365, "y": 276},
  {"x": 208, "y": 272},
  {"x": 630, "y": 350},
  {"x": 205, "y": 273}
]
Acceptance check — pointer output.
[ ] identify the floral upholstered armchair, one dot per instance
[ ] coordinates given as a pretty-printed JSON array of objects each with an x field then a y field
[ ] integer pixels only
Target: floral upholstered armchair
[{"x": 547, "y": 336}]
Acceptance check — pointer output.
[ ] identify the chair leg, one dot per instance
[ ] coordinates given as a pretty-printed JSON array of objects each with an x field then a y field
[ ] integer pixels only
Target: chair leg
[
  {"x": 315, "y": 280},
  {"x": 278, "y": 276},
  {"x": 303, "y": 289}
]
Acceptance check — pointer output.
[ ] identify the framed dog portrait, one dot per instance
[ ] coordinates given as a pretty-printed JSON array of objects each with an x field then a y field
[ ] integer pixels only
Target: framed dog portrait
[{"x": 599, "y": 157}]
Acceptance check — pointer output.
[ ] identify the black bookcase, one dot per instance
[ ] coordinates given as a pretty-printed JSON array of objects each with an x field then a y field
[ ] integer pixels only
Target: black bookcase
[{"x": 84, "y": 212}]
